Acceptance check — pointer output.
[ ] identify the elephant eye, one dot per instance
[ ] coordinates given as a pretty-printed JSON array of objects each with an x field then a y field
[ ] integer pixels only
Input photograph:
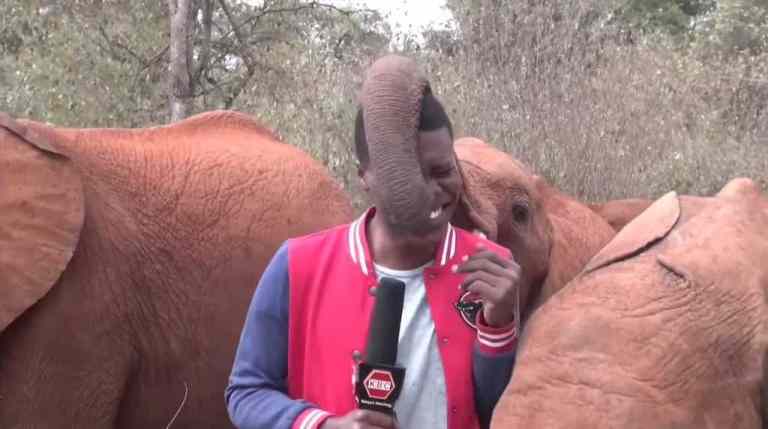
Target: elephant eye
[{"x": 520, "y": 213}]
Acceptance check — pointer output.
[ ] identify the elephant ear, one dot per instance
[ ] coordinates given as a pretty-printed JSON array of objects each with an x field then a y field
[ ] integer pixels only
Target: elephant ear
[
  {"x": 477, "y": 206},
  {"x": 41, "y": 215},
  {"x": 648, "y": 227},
  {"x": 740, "y": 187}
]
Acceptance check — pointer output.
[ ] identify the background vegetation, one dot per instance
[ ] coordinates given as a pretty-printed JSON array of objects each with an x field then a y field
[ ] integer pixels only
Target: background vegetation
[{"x": 606, "y": 98}]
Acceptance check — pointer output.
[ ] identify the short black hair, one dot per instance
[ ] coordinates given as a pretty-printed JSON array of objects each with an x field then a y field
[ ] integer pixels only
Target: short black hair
[{"x": 431, "y": 117}]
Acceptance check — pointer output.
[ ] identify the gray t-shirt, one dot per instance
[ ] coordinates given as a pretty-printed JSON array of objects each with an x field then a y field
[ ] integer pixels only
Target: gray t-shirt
[{"x": 422, "y": 402}]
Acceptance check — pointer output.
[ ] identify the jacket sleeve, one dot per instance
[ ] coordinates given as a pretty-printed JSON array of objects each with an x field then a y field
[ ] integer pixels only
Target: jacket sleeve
[
  {"x": 493, "y": 359},
  {"x": 256, "y": 395}
]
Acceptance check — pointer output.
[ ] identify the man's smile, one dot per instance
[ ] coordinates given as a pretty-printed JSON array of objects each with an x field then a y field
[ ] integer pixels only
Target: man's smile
[
  {"x": 444, "y": 208},
  {"x": 434, "y": 214}
]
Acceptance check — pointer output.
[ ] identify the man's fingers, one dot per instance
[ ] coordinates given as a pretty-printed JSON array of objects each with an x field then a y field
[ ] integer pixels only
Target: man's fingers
[
  {"x": 492, "y": 256},
  {"x": 485, "y": 291},
  {"x": 376, "y": 419},
  {"x": 483, "y": 276},
  {"x": 508, "y": 270}
]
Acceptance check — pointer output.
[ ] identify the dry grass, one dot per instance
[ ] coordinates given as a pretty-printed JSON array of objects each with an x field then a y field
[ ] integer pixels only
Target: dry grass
[
  {"x": 601, "y": 114},
  {"x": 600, "y": 117}
]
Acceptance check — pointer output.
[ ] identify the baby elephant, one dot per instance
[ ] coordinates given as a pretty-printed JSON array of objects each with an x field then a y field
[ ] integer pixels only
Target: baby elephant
[{"x": 666, "y": 327}]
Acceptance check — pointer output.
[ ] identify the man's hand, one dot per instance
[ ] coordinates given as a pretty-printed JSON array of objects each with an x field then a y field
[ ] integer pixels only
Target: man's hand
[
  {"x": 493, "y": 280},
  {"x": 361, "y": 419}
]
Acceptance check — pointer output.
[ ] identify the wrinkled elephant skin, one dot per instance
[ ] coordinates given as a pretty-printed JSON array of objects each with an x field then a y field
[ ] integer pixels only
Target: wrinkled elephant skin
[
  {"x": 128, "y": 259},
  {"x": 551, "y": 235},
  {"x": 667, "y": 326}
]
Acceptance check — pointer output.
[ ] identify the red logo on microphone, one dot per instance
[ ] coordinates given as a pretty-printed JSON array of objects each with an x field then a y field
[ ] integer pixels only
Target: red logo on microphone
[{"x": 379, "y": 384}]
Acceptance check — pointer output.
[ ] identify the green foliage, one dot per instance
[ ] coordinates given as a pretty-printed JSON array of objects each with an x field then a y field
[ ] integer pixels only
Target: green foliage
[
  {"x": 721, "y": 27},
  {"x": 83, "y": 63},
  {"x": 607, "y": 99},
  {"x": 734, "y": 27},
  {"x": 104, "y": 63},
  {"x": 675, "y": 17}
]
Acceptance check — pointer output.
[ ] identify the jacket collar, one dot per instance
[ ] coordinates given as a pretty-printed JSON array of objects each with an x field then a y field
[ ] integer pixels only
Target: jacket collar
[{"x": 360, "y": 254}]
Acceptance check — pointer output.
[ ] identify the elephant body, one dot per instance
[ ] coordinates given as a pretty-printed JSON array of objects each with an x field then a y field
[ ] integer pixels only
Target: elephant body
[
  {"x": 136, "y": 253},
  {"x": 618, "y": 213},
  {"x": 666, "y": 327}
]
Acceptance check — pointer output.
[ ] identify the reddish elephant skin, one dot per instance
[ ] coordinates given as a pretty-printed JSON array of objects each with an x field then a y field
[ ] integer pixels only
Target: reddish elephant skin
[
  {"x": 551, "y": 234},
  {"x": 618, "y": 213},
  {"x": 128, "y": 259},
  {"x": 666, "y": 327}
]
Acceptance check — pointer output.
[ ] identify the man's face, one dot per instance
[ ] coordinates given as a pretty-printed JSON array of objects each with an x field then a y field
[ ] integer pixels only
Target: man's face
[{"x": 441, "y": 177}]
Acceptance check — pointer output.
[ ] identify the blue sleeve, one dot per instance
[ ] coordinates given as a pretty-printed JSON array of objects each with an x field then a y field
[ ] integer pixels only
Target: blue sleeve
[
  {"x": 256, "y": 394},
  {"x": 491, "y": 373}
]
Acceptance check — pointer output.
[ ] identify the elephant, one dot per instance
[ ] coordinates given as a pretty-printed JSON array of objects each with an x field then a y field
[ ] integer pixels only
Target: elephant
[
  {"x": 128, "y": 258},
  {"x": 618, "y": 213},
  {"x": 551, "y": 234},
  {"x": 135, "y": 252},
  {"x": 665, "y": 327}
]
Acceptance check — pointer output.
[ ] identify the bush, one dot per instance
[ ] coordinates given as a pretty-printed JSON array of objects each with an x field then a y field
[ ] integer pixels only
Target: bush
[
  {"x": 598, "y": 109},
  {"x": 598, "y": 115}
]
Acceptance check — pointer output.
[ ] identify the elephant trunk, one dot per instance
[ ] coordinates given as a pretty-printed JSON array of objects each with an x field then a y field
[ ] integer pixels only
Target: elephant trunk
[{"x": 391, "y": 103}]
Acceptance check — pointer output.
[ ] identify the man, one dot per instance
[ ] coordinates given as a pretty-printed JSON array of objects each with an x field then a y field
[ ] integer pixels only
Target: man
[{"x": 308, "y": 320}]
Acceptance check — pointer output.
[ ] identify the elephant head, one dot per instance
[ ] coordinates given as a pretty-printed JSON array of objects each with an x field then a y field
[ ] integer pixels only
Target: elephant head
[
  {"x": 128, "y": 258},
  {"x": 551, "y": 235},
  {"x": 667, "y": 326}
]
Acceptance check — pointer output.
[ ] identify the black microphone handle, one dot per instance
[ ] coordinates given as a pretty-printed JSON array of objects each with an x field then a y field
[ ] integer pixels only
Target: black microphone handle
[
  {"x": 379, "y": 380},
  {"x": 384, "y": 330}
]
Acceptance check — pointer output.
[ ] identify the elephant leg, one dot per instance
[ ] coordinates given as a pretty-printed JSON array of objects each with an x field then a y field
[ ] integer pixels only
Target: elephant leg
[
  {"x": 183, "y": 385},
  {"x": 60, "y": 372},
  {"x": 65, "y": 361},
  {"x": 763, "y": 410}
]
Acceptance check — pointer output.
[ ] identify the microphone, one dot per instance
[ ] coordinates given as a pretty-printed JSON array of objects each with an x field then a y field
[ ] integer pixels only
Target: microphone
[{"x": 378, "y": 379}]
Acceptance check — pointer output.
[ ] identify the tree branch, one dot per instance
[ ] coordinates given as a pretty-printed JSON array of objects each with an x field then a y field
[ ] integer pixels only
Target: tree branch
[
  {"x": 155, "y": 58},
  {"x": 205, "y": 49},
  {"x": 230, "y": 100},
  {"x": 105, "y": 36},
  {"x": 247, "y": 57},
  {"x": 180, "y": 47},
  {"x": 217, "y": 86},
  {"x": 238, "y": 34},
  {"x": 311, "y": 5}
]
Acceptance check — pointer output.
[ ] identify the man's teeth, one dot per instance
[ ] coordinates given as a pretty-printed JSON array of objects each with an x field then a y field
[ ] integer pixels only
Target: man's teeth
[{"x": 435, "y": 213}]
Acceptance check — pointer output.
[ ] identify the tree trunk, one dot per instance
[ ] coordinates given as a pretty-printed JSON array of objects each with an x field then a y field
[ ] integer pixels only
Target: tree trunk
[{"x": 180, "y": 49}]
